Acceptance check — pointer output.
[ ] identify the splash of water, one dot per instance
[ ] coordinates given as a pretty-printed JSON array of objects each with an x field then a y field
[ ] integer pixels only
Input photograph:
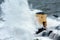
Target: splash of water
[{"x": 18, "y": 16}]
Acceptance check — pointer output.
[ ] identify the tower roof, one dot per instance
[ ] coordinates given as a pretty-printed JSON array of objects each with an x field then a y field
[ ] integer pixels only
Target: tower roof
[{"x": 40, "y": 13}]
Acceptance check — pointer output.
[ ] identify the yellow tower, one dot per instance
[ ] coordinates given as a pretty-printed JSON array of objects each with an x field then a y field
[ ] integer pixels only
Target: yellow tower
[{"x": 41, "y": 17}]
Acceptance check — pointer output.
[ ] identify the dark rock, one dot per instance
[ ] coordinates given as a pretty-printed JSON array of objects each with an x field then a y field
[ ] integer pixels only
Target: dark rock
[
  {"x": 58, "y": 28},
  {"x": 1, "y": 1},
  {"x": 49, "y": 32},
  {"x": 44, "y": 33},
  {"x": 40, "y": 30}
]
